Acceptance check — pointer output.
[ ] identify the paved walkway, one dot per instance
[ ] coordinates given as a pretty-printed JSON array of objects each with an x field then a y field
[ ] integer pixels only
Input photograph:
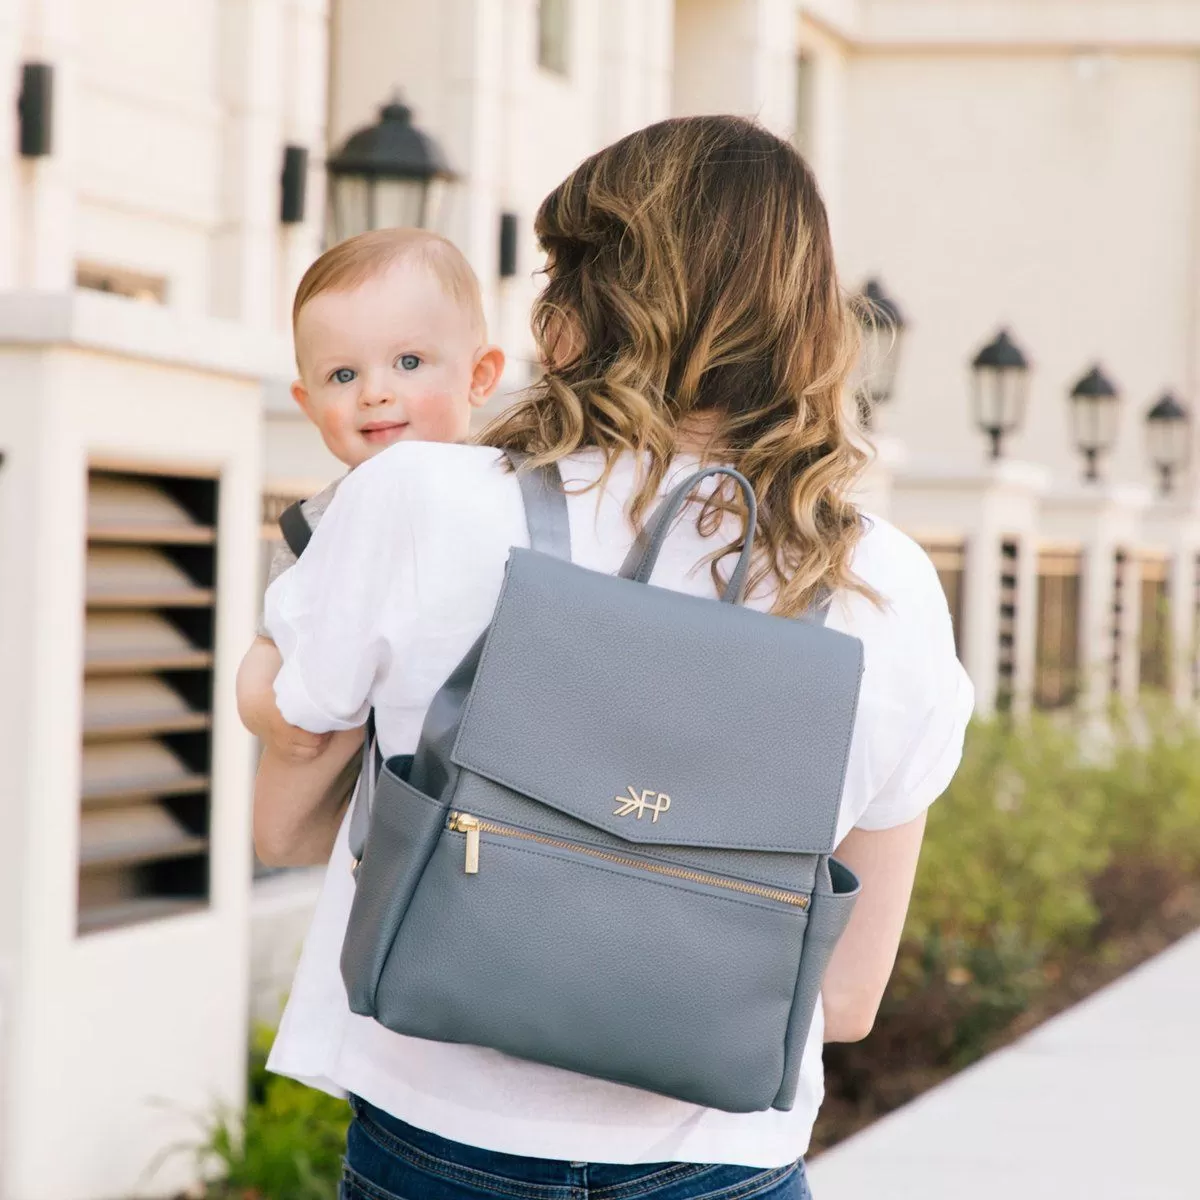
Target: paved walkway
[{"x": 1101, "y": 1101}]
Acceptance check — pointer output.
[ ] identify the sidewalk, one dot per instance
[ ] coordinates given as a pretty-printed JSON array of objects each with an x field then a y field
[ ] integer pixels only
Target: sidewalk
[{"x": 1101, "y": 1101}]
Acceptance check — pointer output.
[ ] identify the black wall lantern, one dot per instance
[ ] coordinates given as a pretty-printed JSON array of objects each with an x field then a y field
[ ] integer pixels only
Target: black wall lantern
[
  {"x": 35, "y": 110},
  {"x": 882, "y": 325},
  {"x": 1168, "y": 439},
  {"x": 292, "y": 184},
  {"x": 1000, "y": 374},
  {"x": 385, "y": 175},
  {"x": 1094, "y": 416}
]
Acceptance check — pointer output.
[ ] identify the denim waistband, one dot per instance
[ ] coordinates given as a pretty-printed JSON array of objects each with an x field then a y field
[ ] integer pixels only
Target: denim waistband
[{"x": 534, "y": 1176}]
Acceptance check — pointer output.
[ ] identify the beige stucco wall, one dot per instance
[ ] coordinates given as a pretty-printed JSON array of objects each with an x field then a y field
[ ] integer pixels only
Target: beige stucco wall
[
  {"x": 169, "y": 126},
  {"x": 736, "y": 56},
  {"x": 1055, "y": 193}
]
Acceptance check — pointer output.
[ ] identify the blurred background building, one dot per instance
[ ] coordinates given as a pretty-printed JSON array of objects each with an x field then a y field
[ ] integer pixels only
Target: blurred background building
[{"x": 1017, "y": 181}]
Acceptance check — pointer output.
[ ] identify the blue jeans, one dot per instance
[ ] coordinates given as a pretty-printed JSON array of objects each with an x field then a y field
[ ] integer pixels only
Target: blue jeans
[{"x": 389, "y": 1160}]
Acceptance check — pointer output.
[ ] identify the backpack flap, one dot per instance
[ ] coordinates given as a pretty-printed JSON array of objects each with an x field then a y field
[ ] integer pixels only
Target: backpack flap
[{"x": 595, "y": 696}]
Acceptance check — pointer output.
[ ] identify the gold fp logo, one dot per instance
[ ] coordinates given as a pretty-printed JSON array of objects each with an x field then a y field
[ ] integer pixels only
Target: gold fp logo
[{"x": 647, "y": 800}]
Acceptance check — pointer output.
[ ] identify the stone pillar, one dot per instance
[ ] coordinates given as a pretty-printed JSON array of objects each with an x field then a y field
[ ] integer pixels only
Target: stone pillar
[
  {"x": 245, "y": 274},
  {"x": 1102, "y": 521},
  {"x": 773, "y": 55},
  {"x": 124, "y": 1011},
  {"x": 306, "y": 70},
  {"x": 988, "y": 510},
  {"x": 823, "y": 109},
  {"x": 635, "y": 65},
  {"x": 737, "y": 57},
  {"x": 1172, "y": 528}
]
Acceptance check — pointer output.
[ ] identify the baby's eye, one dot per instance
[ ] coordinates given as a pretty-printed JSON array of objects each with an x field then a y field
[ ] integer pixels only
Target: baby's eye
[
  {"x": 409, "y": 362},
  {"x": 343, "y": 375}
]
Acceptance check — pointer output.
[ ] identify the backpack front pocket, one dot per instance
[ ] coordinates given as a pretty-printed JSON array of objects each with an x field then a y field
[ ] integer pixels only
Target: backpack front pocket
[{"x": 622, "y": 967}]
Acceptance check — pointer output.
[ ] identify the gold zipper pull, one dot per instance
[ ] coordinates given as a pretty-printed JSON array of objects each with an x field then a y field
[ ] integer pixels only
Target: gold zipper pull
[{"x": 465, "y": 823}]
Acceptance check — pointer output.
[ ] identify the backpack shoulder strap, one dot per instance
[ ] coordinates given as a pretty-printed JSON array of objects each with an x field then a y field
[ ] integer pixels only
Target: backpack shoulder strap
[
  {"x": 545, "y": 506},
  {"x": 294, "y": 526}
]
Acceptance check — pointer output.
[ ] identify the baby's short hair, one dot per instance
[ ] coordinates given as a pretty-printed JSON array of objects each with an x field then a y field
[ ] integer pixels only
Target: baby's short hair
[{"x": 353, "y": 262}]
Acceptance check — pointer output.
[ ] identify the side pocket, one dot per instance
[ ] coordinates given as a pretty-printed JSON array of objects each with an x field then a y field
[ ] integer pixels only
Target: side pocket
[
  {"x": 405, "y": 826},
  {"x": 828, "y": 915}
]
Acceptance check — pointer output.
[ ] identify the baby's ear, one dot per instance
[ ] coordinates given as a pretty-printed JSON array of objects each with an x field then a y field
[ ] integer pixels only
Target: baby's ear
[
  {"x": 300, "y": 395},
  {"x": 485, "y": 378}
]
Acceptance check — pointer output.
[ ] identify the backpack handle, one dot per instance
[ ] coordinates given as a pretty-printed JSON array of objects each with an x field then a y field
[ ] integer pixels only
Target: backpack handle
[{"x": 639, "y": 564}]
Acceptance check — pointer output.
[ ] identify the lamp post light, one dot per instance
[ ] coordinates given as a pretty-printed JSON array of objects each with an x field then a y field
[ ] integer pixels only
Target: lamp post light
[
  {"x": 1001, "y": 386},
  {"x": 882, "y": 325},
  {"x": 1095, "y": 404},
  {"x": 385, "y": 175},
  {"x": 1168, "y": 438}
]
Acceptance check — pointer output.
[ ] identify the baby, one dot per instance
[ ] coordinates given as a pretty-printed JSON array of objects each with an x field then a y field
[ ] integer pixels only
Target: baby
[{"x": 391, "y": 346}]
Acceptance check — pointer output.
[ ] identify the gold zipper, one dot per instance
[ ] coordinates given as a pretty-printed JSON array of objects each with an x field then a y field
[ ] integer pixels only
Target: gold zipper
[{"x": 473, "y": 827}]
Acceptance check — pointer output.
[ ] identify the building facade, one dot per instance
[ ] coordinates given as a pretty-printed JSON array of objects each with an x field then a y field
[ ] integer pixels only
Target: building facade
[{"x": 1028, "y": 164}]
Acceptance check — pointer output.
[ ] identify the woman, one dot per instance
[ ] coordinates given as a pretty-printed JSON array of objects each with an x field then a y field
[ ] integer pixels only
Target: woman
[{"x": 692, "y": 315}]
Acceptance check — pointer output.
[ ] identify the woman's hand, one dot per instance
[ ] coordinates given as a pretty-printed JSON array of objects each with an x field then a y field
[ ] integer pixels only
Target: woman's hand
[
  {"x": 259, "y": 712},
  {"x": 305, "y": 780},
  {"x": 886, "y": 863}
]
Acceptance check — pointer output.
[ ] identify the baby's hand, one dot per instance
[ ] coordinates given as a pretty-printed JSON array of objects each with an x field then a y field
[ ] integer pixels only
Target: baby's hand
[
  {"x": 256, "y": 705},
  {"x": 291, "y": 742}
]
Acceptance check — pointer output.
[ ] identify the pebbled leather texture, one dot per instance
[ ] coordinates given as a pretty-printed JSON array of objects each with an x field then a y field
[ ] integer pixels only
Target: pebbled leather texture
[
  {"x": 405, "y": 830},
  {"x": 545, "y": 507},
  {"x": 655, "y": 983},
  {"x": 596, "y": 942},
  {"x": 591, "y": 685},
  {"x": 828, "y": 915}
]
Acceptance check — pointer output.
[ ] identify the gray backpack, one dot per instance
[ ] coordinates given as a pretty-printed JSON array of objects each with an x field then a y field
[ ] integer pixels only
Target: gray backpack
[{"x": 611, "y": 850}]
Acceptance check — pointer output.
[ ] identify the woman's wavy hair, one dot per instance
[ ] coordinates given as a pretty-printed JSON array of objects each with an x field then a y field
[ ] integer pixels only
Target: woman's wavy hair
[{"x": 691, "y": 284}]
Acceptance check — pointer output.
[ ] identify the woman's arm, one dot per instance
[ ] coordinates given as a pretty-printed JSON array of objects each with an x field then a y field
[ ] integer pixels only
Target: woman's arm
[
  {"x": 885, "y": 861},
  {"x": 299, "y": 805},
  {"x": 281, "y": 842}
]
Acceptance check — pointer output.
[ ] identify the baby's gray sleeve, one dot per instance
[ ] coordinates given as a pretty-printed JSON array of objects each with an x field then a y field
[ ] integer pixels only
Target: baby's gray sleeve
[
  {"x": 283, "y": 558},
  {"x": 280, "y": 561}
]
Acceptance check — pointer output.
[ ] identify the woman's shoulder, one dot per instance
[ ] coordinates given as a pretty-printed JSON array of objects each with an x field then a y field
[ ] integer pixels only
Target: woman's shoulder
[
  {"x": 895, "y": 565},
  {"x": 909, "y": 636}
]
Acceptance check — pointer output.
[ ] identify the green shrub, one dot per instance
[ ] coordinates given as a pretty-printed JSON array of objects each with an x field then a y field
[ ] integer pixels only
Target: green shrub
[
  {"x": 1009, "y": 854},
  {"x": 289, "y": 1145},
  {"x": 1046, "y": 822},
  {"x": 1150, "y": 787}
]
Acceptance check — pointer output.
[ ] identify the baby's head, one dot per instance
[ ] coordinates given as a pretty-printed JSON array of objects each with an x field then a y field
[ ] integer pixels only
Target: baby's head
[{"x": 391, "y": 343}]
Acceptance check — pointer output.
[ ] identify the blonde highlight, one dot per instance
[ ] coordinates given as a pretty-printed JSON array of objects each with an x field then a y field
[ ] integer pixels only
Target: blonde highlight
[{"x": 691, "y": 280}]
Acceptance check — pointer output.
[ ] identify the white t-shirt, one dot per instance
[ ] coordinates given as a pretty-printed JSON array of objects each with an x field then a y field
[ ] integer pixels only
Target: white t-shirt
[{"x": 398, "y": 581}]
